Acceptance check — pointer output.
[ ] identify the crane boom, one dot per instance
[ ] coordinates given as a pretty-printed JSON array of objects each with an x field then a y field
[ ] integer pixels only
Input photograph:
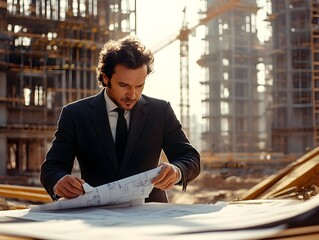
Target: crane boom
[{"x": 211, "y": 13}]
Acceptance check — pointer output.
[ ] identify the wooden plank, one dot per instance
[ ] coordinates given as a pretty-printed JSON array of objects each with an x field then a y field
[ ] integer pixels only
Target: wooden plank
[
  {"x": 301, "y": 176},
  {"x": 26, "y": 196},
  {"x": 26, "y": 193},
  {"x": 8, "y": 237},
  {"x": 260, "y": 188},
  {"x": 23, "y": 188},
  {"x": 298, "y": 233},
  {"x": 286, "y": 192}
]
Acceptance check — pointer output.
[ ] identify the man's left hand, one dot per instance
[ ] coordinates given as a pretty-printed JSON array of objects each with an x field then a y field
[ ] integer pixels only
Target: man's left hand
[{"x": 167, "y": 177}]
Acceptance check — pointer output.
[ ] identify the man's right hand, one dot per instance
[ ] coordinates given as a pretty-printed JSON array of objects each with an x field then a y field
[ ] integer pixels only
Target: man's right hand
[{"x": 69, "y": 187}]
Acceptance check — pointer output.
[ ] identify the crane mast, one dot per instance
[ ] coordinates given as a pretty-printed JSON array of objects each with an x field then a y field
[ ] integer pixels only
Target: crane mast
[{"x": 184, "y": 76}]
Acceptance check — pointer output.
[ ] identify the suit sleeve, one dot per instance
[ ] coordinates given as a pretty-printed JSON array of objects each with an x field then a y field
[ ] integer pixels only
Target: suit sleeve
[
  {"x": 179, "y": 150},
  {"x": 60, "y": 157}
]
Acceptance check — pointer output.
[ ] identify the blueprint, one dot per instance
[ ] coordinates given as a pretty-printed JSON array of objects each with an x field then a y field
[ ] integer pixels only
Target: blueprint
[
  {"x": 239, "y": 220},
  {"x": 133, "y": 190}
]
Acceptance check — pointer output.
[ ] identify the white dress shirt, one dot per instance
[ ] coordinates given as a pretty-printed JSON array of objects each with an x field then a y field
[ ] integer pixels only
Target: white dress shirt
[{"x": 113, "y": 115}]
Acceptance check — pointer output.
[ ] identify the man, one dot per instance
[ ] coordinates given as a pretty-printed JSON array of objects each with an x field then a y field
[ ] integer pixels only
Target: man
[{"x": 87, "y": 131}]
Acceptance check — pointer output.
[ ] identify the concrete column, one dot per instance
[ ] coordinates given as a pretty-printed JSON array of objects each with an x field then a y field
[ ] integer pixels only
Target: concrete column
[
  {"x": 3, "y": 155},
  {"x": 3, "y": 94},
  {"x": 35, "y": 157},
  {"x": 22, "y": 156},
  {"x": 3, "y": 123}
]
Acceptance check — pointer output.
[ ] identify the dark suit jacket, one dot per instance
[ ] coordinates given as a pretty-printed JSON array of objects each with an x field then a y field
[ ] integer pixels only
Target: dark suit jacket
[{"x": 84, "y": 133}]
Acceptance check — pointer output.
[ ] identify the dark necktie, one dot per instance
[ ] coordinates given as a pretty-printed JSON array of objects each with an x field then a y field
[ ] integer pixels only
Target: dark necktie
[{"x": 121, "y": 135}]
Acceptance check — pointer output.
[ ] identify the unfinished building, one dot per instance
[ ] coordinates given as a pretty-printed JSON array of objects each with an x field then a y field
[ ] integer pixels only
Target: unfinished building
[
  {"x": 295, "y": 72},
  {"x": 48, "y": 55},
  {"x": 234, "y": 105}
]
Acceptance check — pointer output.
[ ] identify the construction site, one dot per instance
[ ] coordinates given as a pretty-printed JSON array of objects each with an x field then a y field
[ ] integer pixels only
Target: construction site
[
  {"x": 260, "y": 98},
  {"x": 48, "y": 57},
  {"x": 275, "y": 114}
]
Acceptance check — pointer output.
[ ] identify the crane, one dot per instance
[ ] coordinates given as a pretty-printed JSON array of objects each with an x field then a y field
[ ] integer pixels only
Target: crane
[{"x": 183, "y": 36}]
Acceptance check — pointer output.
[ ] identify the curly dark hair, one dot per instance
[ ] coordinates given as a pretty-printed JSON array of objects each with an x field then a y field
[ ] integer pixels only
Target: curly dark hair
[{"x": 128, "y": 51}]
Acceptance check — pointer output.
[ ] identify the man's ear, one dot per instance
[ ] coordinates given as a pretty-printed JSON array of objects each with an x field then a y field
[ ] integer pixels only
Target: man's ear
[{"x": 105, "y": 79}]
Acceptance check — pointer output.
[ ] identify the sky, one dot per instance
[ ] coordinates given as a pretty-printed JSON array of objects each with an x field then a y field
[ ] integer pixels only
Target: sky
[{"x": 156, "y": 21}]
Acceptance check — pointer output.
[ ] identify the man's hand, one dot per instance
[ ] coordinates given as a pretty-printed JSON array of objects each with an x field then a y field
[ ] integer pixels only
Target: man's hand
[
  {"x": 167, "y": 177},
  {"x": 69, "y": 187}
]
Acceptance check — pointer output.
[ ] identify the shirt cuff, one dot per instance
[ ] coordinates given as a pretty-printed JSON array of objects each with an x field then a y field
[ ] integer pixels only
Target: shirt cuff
[
  {"x": 179, "y": 173},
  {"x": 54, "y": 195}
]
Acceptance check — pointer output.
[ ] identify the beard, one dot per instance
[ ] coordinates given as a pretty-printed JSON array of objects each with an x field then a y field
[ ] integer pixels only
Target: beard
[{"x": 125, "y": 103}]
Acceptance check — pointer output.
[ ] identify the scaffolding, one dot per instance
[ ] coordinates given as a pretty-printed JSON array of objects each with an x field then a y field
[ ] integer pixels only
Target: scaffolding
[
  {"x": 231, "y": 101},
  {"x": 294, "y": 75},
  {"x": 315, "y": 68},
  {"x": 48, "y": 55}
]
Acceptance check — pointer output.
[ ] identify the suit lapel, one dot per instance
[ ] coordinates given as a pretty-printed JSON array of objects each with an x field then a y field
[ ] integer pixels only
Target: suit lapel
[
  {"x": 101, "y": 124},
  {"x": 138, "y": 118}
]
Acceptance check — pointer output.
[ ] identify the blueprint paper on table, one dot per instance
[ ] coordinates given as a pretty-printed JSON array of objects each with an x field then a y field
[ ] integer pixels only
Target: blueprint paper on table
[
  {"x": 252, "y": 219},
  {"x": 128, "y": 189}
]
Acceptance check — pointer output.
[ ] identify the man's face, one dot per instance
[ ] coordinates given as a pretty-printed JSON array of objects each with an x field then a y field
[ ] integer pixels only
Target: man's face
[{"x": 126, "y": 85}]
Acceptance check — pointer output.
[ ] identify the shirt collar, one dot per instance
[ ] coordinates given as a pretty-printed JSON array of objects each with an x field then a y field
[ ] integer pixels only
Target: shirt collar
[{"x": 110, "y": 105}]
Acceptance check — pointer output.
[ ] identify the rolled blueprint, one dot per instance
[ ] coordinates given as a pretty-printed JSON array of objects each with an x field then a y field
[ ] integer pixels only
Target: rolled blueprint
[{"x": 135, "y": 187}]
